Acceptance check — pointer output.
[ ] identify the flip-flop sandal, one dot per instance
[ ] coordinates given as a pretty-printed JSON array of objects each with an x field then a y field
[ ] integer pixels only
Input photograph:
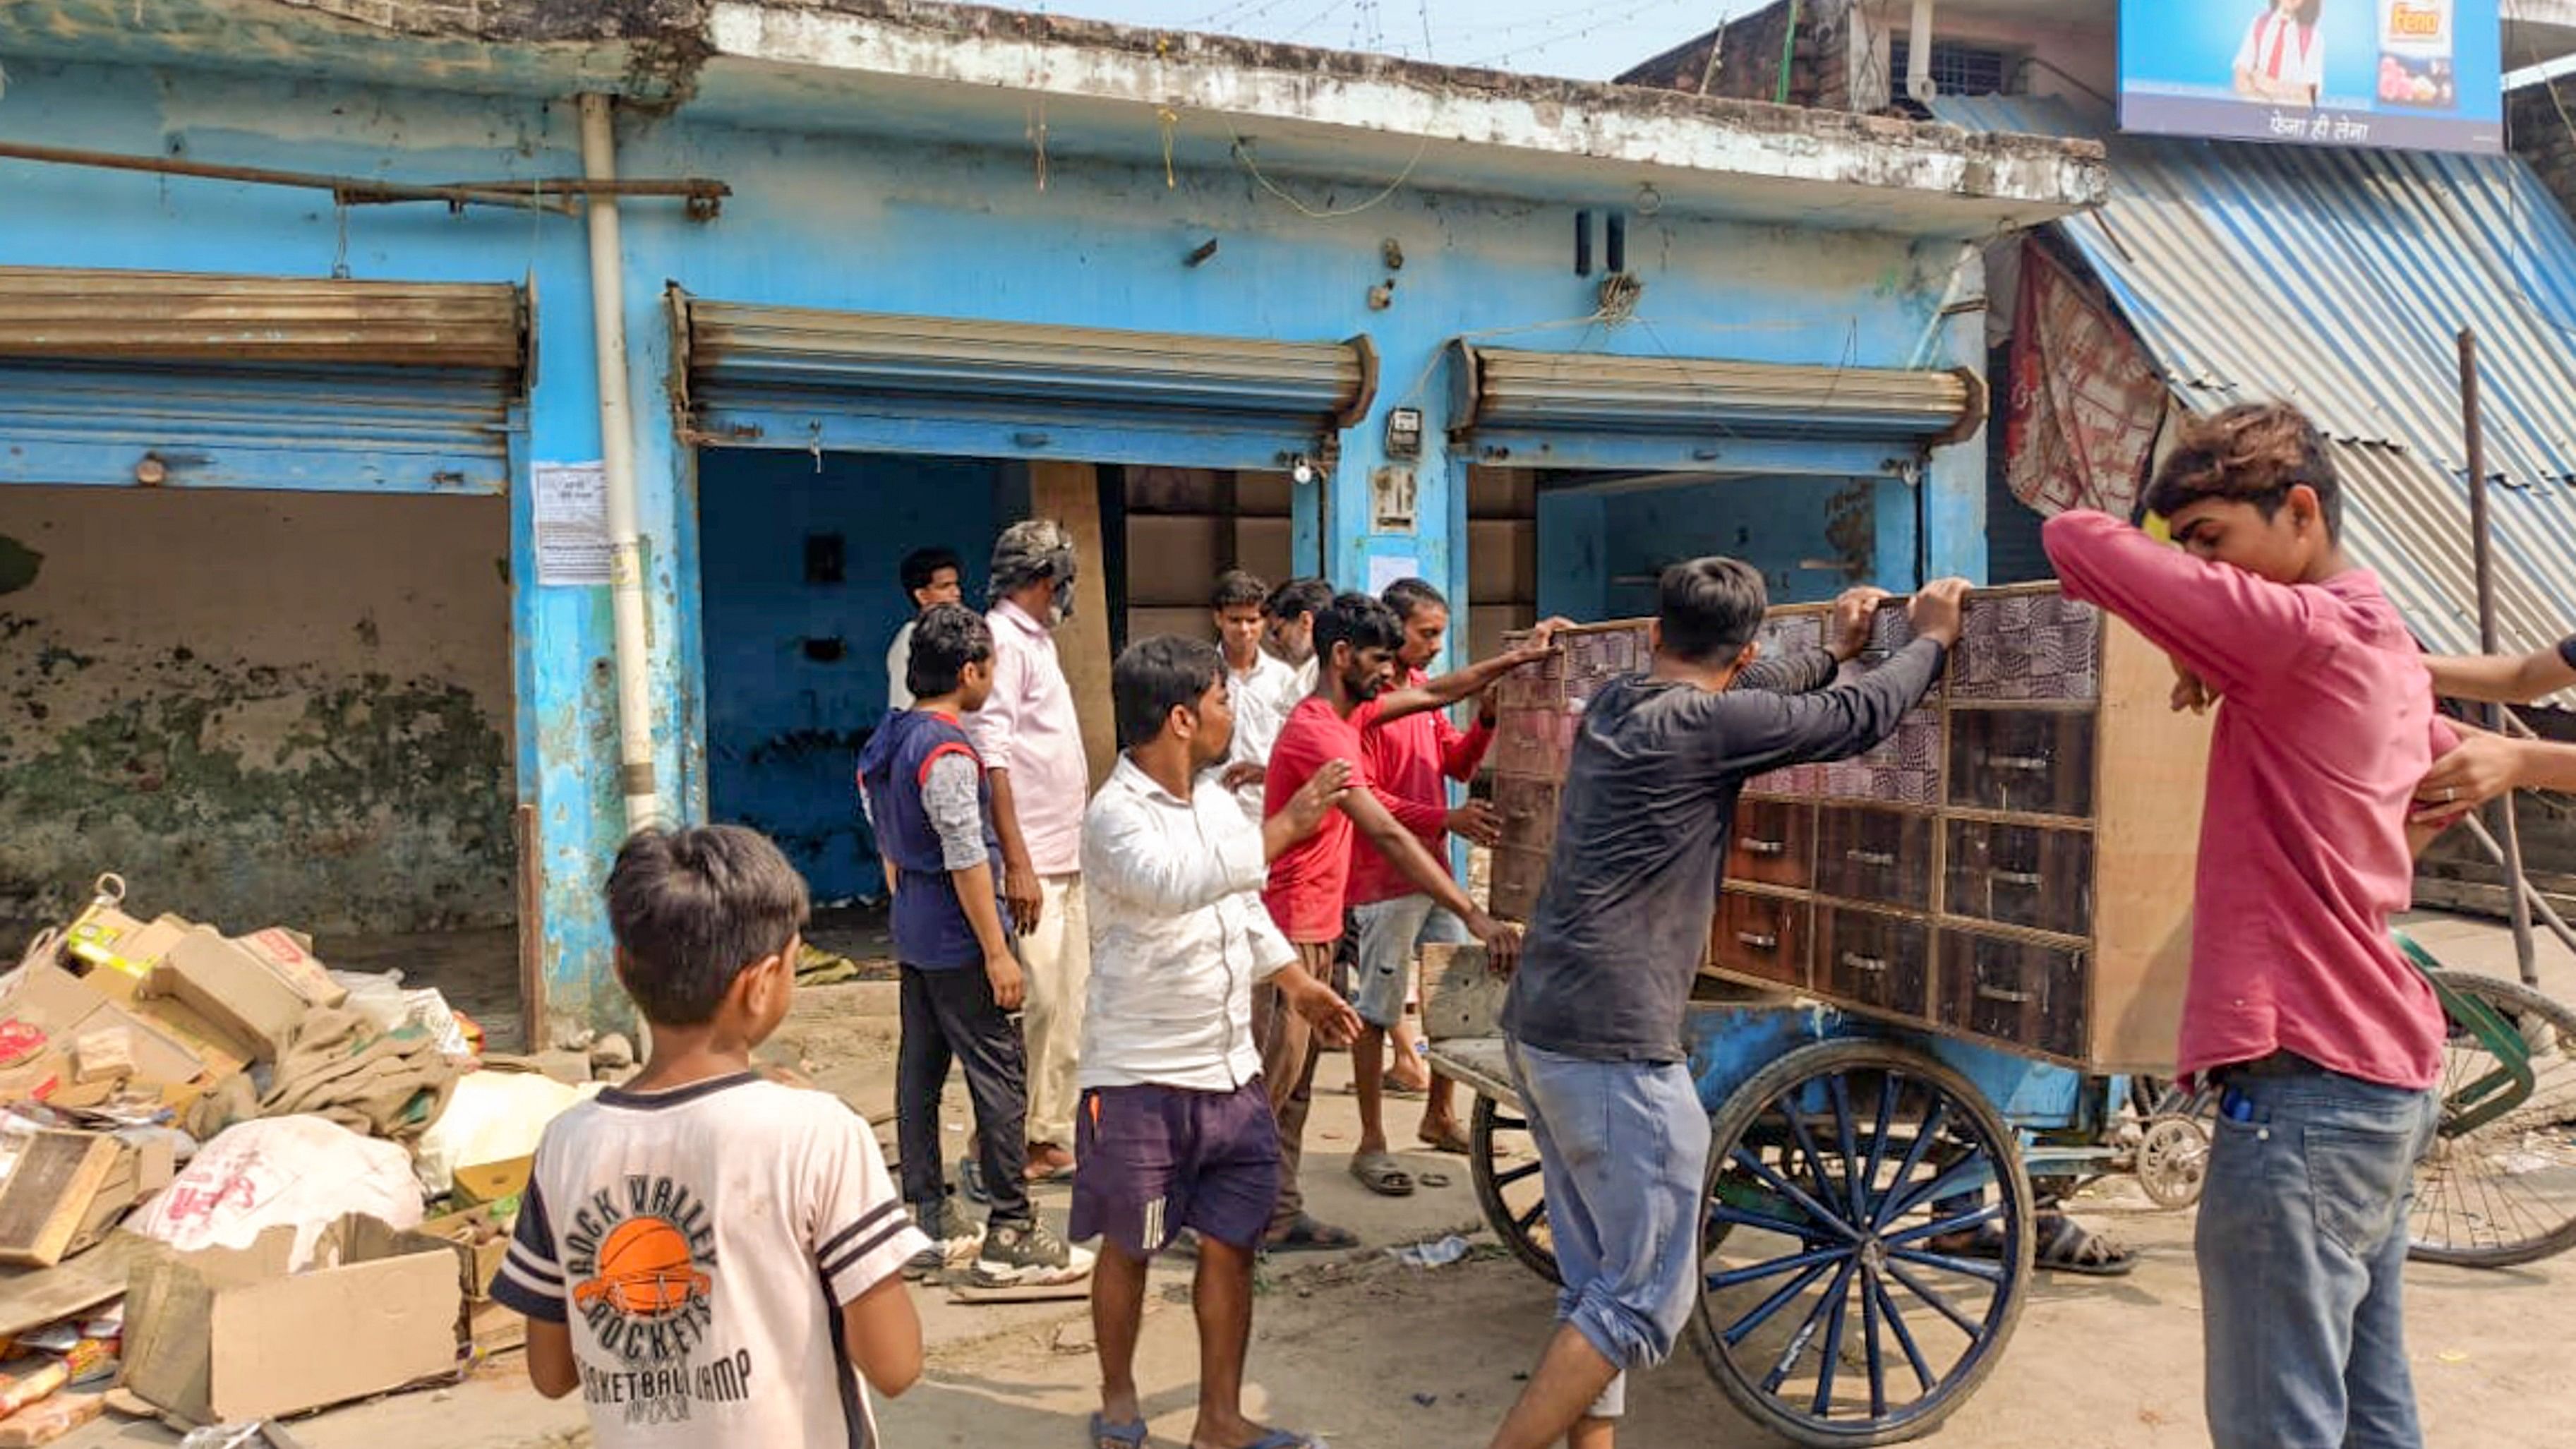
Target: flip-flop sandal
[
  {"x": 1051, "y": 1174},
  {"x": 1431, "y": 1179},
  {"x": 1405, "y": 1090},
  {"x": 1451, "y": 1139},
  {"x": 1285, "y": 1439},
  {"x": 1380, "y": 1174},
  {"x": 1106, "y": 1435},
  {"x": 2069, "y": 1247},
  {"x": 1308, "y": 1235},
  {"x": 2063, "y": 1246}
]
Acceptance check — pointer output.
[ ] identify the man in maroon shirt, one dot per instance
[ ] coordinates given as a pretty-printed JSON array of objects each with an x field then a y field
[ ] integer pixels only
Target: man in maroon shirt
[
  {"x": 1356, "y": 639},
  {"x": 1411, "y": 762},
  {"x": 2323, "y": 1042}
]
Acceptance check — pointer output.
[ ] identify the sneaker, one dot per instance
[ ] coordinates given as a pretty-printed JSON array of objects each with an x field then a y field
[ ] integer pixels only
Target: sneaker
[
  {"x": 954, "y": 1238},
  {"x": 1028, "y": 1255}
]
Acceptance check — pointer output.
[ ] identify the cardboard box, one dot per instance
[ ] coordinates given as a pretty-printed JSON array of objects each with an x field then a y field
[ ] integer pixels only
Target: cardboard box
[
  {"x": 481, "y": 1183},
  {"x": 231, "y": 988},
  {"x": 107, "y": 939},
  {"x": 482, "y": 1239},
  {"x": 227, "y": 1335},
  {"x": 67, "y": 1007},
  {"x": 495, "y": 1328},
  {"x": 290, "y": 956}
]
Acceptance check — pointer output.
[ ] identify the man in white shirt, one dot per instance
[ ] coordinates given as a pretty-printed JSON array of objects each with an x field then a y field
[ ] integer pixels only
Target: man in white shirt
[
  {"x": 931, "y": 577},
  {"x": 1290, "y": 612},
  {"x": 1031, "y": 743},
  {"x": 1259, "y": 685},
  {"x": 1175, "y": 1129}
]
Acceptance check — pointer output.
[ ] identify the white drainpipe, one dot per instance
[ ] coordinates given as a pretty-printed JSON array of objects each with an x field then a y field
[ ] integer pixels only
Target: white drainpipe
[
  {"x": 635, "y": 776},
  {"x": 1918, "y": 56}
]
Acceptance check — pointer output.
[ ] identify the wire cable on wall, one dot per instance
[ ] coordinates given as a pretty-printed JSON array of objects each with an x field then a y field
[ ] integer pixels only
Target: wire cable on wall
[{"x": 1243, "y": 156}]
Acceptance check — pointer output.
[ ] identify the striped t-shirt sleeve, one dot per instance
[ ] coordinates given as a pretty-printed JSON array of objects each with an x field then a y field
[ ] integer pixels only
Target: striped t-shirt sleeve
[
  {"x": 530, "y": 1279},
  {"x": 865, "y": 1234}
]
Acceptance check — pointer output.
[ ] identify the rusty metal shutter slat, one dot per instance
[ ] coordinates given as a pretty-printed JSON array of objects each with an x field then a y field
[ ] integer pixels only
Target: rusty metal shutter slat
[
  {"x": 111, "y": 316},
  {"x": 739, "y": 354},
  {"x": 1597, "y": 393},
  {"x": 119, "y": 378}
]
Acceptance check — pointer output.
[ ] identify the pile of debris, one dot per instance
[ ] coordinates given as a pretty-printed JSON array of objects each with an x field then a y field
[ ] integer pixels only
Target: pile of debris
[{"x": 213, "y": 1146}]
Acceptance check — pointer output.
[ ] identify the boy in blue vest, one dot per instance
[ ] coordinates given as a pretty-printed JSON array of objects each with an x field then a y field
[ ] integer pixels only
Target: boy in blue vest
[{"x": 924, "y": 789}]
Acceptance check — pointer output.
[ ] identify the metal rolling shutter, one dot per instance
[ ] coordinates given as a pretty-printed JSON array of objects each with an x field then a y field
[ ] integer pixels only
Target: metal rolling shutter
[
  {"x": 190, "y": 380},
  {"x": 797, "y": 377},
  {"x": 1573, "y": 407}
]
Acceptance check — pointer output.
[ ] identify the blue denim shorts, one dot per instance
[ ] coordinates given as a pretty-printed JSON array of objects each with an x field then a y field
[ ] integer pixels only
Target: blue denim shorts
[
  {"x": 1390, "y": 935},
  {"x": 1623, "y": 1148}
]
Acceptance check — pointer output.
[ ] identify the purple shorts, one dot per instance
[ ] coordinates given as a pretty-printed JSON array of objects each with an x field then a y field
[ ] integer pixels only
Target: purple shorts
[{"x": 1152, "y": 1160}]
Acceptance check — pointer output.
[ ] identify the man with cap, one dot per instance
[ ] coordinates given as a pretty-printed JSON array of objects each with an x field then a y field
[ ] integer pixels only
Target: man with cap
[{"x": 1031, "y": 743}]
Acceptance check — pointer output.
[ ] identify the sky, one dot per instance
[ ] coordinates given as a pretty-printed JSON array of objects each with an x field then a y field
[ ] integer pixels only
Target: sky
[{"x": 1580, "y": 39}]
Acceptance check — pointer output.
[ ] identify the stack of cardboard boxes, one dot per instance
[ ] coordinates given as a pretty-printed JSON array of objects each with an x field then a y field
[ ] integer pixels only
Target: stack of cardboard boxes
[{"x": 111, "y": 1032}]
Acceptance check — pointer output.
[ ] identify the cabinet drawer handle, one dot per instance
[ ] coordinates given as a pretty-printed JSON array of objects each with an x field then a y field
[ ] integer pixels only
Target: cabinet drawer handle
[
  {"x": 1879, "y": 858},
  {"x": 1859, "y": 962},
  {"x": 1758, "y": 941},
  {"x": 2035, "y": 764},
  {"x": 2018, "y": 877},
  {"x": 1997, "y": 993},
  {"x": 1766, "y": 847}
]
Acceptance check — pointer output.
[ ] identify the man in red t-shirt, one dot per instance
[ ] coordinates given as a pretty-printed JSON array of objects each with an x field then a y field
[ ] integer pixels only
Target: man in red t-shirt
[
  {"x": 1410, "y": 764},
  {"x": 1356, "y": 641}
]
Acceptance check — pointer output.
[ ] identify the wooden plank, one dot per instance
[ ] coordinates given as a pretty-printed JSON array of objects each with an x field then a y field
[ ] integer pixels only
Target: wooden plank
[
  {"x": 48, "y": 1193},
  {"x": 1069, "y": 493},
  {"x": 1461, "y": 996},
  {"x": 2153, "y": 768}
]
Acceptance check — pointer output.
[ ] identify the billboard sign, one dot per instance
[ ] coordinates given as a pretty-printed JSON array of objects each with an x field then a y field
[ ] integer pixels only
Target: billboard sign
[{"x": 2424, "y": 75}]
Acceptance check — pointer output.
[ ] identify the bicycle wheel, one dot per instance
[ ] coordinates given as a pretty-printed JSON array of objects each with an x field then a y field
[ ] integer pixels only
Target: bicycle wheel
[{"x": 2499, "y": 1187}]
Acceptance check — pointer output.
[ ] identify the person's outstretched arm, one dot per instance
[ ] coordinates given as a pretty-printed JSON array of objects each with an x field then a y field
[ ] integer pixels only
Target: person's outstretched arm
[{"x": 2505, "y": 678}]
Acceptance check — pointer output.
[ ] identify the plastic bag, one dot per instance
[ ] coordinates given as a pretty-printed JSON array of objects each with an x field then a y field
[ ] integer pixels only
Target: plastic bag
[
  {"x": 492, "y": 1117},
  {"x": 302, "y": 1171}
]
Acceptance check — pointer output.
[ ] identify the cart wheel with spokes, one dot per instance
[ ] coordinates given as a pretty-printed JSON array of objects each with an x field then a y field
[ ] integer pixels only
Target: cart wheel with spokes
[
  {"x": 1838, "y": 1308},
  {"x": 2498, "y": 1188},
  {"x": 1504, "y": 1163}
]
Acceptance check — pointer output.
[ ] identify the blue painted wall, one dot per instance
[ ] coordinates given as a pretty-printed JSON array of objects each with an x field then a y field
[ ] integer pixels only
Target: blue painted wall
[
  {"x": 796, "y": 671},
  {"x": 851, "y": 221}
]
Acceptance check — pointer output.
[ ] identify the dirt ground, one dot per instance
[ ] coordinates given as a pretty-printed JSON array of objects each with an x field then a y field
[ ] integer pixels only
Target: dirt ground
[{"x": 1370, "y": 1352}]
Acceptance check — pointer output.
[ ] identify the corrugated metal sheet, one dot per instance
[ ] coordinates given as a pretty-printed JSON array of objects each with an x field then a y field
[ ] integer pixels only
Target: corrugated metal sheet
[
  {"x": 2339, "y": 280},
  {"x": 175, "y": 317},
  {"x": 735, "y": 349},
  {"x": 1596, "y": 392}
]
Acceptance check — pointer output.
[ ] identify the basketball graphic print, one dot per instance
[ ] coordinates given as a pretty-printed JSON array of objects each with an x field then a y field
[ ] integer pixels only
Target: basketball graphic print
[
  {"x": 640, "y": 1261},
  {"x": 645, "y": 1271}
]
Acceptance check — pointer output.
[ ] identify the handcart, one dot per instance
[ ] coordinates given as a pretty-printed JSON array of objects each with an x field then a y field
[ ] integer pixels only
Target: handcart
[
  {"x": 1934, "y": 975},
  {"x": 1867, "y": 1214}
]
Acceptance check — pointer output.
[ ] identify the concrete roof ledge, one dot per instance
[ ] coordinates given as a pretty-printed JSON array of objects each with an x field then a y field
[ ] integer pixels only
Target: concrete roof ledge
[{"x": 1409, "y": 108}]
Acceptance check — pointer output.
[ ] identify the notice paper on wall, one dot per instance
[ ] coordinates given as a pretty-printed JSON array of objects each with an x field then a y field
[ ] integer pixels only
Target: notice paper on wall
[
  {"x": 1384, "y": 569},
  {"x": 572, "y": 522}
]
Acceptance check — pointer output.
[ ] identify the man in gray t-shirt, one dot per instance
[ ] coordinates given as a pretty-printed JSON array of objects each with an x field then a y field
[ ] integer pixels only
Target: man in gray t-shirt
[{"x": 1595, "y": 1012}]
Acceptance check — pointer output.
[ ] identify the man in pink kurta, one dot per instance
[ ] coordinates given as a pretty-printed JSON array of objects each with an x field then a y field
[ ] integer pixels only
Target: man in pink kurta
[
  {"x": 2323, "y": 1042},
  {"x": 1031, "y": 743}
]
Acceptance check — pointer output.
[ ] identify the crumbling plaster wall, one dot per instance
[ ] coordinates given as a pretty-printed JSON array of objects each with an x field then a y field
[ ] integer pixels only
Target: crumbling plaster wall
[{"x": 256, "y": 707}]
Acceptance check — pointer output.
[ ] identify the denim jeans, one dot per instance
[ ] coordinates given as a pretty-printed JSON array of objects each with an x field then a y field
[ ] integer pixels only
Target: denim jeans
[
  {"x": 1622, "y": 1147},
  {"x": 2302, "y": 1252}
]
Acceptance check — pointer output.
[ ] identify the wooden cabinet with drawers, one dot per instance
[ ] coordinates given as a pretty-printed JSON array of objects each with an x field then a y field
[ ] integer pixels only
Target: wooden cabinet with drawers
[{"x": 2013, "y": 865}]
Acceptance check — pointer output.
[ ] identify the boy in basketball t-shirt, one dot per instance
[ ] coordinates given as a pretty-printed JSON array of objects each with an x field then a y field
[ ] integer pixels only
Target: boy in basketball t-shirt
[{"x": 714, "y": 1260}]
